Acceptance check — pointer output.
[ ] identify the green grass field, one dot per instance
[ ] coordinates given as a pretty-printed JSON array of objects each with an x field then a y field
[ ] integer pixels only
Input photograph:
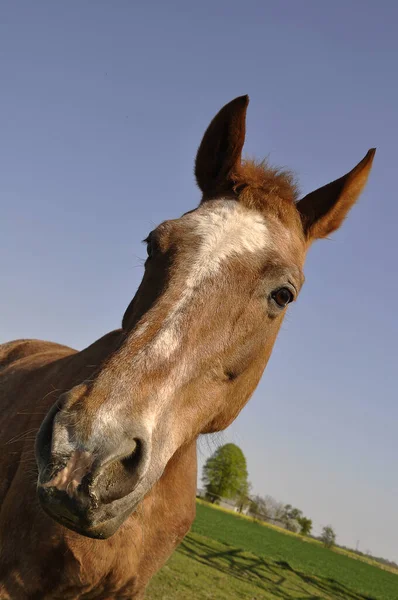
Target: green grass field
[{"x": 226, "y": 557}]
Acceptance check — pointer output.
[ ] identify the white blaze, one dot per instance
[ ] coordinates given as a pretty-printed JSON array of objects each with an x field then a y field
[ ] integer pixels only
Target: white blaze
[
  {"x": 221, "y": 229},
  {"x": 225, "y": 228}
]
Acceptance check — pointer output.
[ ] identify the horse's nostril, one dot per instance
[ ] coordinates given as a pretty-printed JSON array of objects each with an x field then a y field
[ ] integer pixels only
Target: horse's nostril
[
  {"x": 44, "y": 437},
  {"x": 119, "y": 477},
  {"x": 132, "y": 461}
]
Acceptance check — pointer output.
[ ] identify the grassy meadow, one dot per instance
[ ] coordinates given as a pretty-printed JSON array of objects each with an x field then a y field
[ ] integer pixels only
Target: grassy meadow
[{"x": 228, "y": 557}]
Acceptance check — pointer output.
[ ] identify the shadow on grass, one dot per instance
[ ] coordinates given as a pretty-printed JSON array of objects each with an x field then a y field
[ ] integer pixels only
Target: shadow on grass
[{"x": 276, "y": 578}]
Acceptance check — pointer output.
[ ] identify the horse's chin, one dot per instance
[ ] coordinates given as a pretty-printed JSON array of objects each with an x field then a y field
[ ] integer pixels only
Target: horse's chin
[
  {"x": 102, "y": 531},
  {"x": 100, "y": 523}
]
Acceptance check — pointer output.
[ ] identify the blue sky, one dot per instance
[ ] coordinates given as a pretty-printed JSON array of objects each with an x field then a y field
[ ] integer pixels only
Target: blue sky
[{"x": 103, "y": 105}]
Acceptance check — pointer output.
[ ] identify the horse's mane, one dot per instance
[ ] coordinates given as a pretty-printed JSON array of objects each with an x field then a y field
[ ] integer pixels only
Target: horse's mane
[{"x": 270, "y": 181}]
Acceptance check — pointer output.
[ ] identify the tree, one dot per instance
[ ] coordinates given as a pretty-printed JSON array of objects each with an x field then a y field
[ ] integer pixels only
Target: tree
[
  {"x": 305, "y": 525},
  {"x": 292, "y": 513},
  {"x": 291, "y": 518},
  {"x": 328, "y": 536},
  {"x": 242, "y": 497},
  {"x": 253, "y": 506},
  {"x": 259, "y": 508},
  {"x": 225, "y": 473},
  {"x": 278, "y": 511},
  {"x": 266, "y": 508}
]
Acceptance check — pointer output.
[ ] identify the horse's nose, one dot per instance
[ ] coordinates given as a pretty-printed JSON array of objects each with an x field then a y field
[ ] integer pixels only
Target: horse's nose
[
  {"x": 79, "y": 492},
  {"x": 97, "y": 465},
  {"x": 103, "y": 475}
]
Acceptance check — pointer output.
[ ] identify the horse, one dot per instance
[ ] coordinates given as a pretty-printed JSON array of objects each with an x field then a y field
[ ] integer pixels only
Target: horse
[{"x": 98, "y": 463}]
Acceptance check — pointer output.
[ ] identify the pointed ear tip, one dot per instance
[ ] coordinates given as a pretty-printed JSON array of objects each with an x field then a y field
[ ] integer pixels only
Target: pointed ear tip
[
  {"x": 367, "y": 161},
  {"x": 243, "y": 100}
]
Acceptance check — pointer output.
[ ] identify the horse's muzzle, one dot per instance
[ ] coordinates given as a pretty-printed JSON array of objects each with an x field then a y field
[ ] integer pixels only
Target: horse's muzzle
[{"x": 90, "y": 489}]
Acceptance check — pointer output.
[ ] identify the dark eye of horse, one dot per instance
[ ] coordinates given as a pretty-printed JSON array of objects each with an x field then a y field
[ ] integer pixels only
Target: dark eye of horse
[
  {"x": 282, "y": 297},
  {"x": 150, "y": 245}
]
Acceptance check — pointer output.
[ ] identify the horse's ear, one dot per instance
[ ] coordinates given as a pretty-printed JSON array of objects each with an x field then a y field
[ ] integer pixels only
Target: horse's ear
[
  {"x": 324, "y": 210},
  {"x": 220, "y": 151}
]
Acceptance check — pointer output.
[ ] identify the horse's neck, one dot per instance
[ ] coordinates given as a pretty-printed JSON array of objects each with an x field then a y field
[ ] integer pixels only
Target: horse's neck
[{"x": 169, "y": 510}]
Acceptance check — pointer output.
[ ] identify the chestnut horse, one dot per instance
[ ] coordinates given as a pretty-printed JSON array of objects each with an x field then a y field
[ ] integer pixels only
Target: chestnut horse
[{"x": 113, "y": 492}]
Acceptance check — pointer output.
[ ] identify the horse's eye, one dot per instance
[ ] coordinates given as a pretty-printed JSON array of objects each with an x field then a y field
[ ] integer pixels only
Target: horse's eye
[
  {"x": 282, "y": 297},
  {"x": 150, "y": 245}
]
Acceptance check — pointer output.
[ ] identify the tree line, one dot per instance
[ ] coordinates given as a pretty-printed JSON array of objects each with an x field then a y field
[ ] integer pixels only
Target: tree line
[{"x": 225, "y": 476}]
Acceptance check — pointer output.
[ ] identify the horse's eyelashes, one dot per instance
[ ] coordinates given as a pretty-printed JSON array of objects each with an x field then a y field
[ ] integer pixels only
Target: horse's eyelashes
[
  {"x": 151, "y": 245},
  {"x": 149, "y": 248}
]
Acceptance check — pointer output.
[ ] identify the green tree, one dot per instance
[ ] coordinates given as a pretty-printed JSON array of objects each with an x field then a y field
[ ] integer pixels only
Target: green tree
[
  {"x": 291, "y": 518},
  {"x": 242, "y": 496},
  {"x": 292, "y": 513},
  {"x": 305, "y": 525},
  {"x": 328, "y": 536},
  {"x": 225, "y": 473},
  {"x": 254, "y": 506}
]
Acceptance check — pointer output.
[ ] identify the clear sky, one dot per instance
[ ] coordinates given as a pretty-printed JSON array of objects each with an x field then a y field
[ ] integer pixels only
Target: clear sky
[{"x": 103, "y": 105}]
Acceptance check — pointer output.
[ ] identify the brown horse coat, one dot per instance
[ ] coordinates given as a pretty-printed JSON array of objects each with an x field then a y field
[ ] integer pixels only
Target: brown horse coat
[{"x": 93, "y": 504}]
